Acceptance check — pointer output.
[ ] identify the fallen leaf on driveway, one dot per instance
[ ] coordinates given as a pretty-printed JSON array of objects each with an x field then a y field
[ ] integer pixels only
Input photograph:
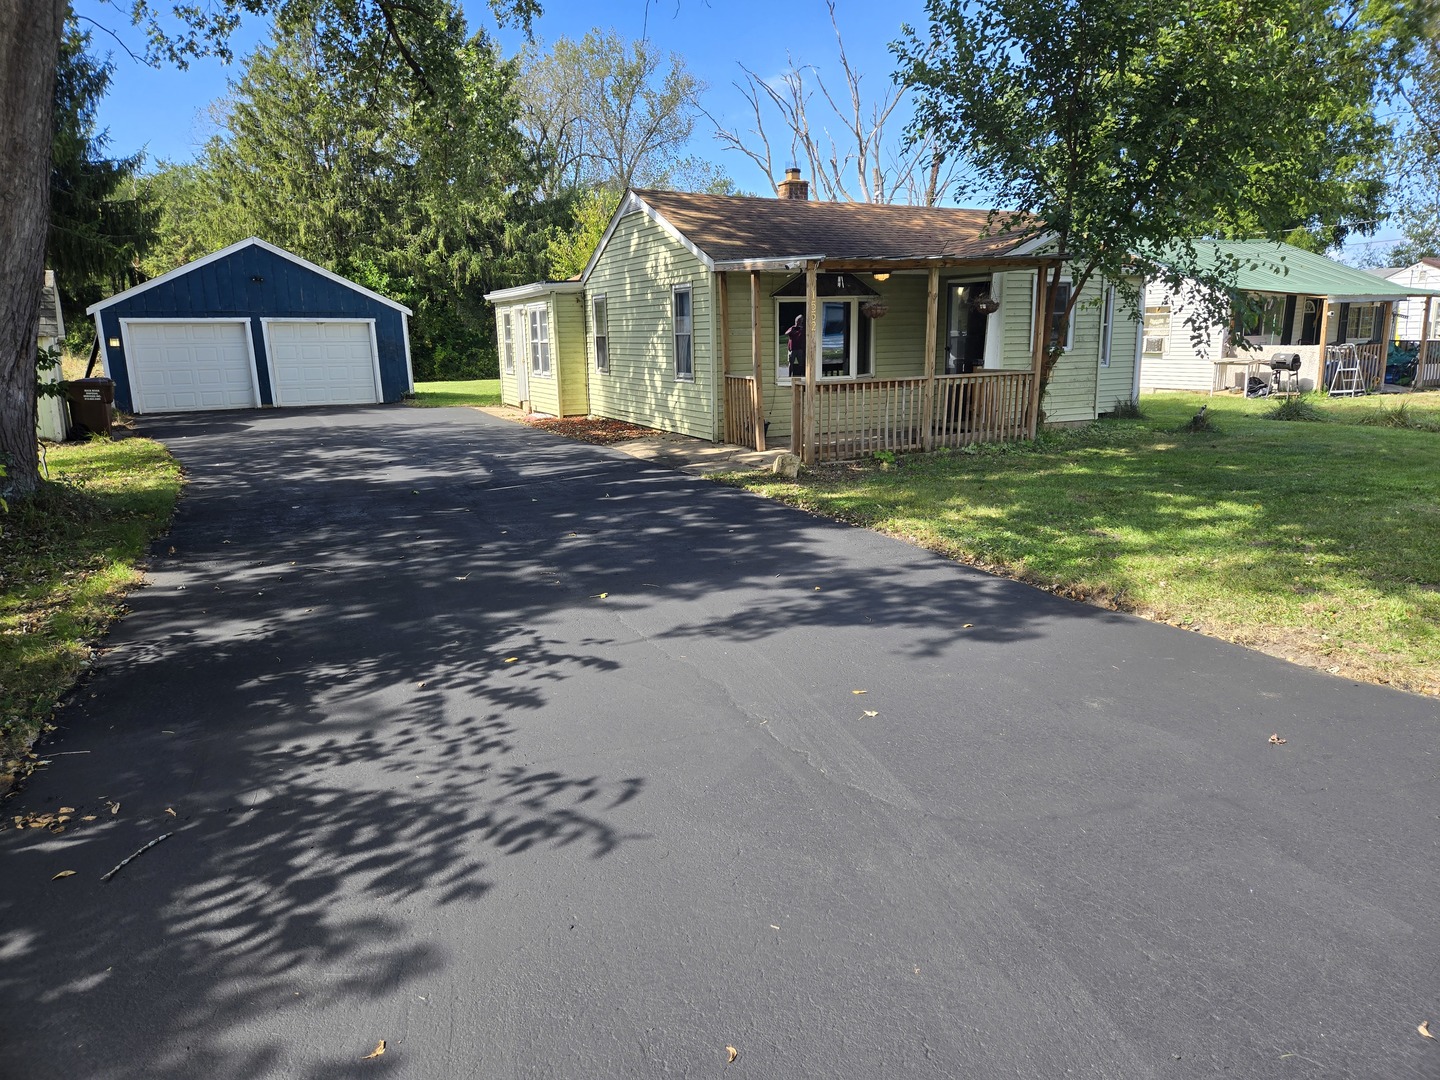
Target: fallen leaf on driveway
[
  {"x": 511, "y": 659},
  {"x": 859, "y": 691},
  {"x": 170, "y": 810},
  {"x": 1275, "y": 740},
  {"x": 376, "y": 1052},
  {"x": 66, "y": 810},
  {"x": 71, "y": 873},
  {"x": 731, "y": 1054},
  {"x": 600, "y": 596},
  {"x": 871, "y": 712},
  {"x": 968, "y": 625},
  {"x": 1424, "y": 1029}
]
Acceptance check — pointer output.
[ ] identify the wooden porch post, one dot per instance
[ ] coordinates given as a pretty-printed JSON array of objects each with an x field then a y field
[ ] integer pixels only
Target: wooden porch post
[
  {"x": 1424, "y": 345},
  {"x": 1039, "y": 339},
  {"x": 757, "y": 358},
  {"x": 1385, "y": 339},
  {"x": 812, "y": 363},
  {"x": 1320, "y": 380},
  {"x": 927, "y": 393}
]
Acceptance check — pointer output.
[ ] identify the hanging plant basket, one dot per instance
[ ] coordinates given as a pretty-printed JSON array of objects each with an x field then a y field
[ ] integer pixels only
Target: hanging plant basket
[
  {"x": 985, "y": 304},
  {"x": 875, "y": 309}
]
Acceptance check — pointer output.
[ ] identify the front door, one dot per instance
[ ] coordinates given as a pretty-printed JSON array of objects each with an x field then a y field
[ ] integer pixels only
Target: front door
[
  {"x": 522, "y": 359},
  {"x": 965, "y": 333}
]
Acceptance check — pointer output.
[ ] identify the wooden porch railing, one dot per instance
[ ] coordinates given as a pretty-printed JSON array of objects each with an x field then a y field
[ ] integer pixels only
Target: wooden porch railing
[
  {"x": 740, "y": 410},
  {"x": 857, "y": 418},
  {"x": 1372, "y": 364},
  {"x": 1427, "y": 366}
]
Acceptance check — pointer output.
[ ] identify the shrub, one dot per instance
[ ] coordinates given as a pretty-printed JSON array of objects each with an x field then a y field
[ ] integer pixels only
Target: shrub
[
  {"x": 1296, "y": 408},
  {"x": 1127, "y": 409}
]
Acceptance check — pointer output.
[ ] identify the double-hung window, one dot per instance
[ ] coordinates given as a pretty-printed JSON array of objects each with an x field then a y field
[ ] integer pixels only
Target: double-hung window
[
  {"x": 602, "y": 333},
  {"x": 1057, "y": 312},
  {"x": 540, "y": 340},
  {"x": 1360, "y": 323},
  {"x": 1107, "y": 327},
  {"x": 507, "y": 342},
  {"x": 684, "y": 333}
]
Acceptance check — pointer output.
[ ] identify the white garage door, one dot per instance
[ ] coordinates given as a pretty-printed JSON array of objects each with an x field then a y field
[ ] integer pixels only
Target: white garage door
[
  {"x": 322, "y": 363},
  {"x": 185, "y": 366}
]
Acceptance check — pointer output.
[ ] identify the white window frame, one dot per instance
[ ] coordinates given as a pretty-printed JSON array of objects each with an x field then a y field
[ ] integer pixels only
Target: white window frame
[
  {"x": 1353, "y": 318},
  {"x": 538, "y": 323},
  {"x": 1107, "y": 327},
  {"x": 507, "y": 342},
  {"x": 782, "y": 356},
  {"x": 600, "y": 317},
  {"x": 682, "y": 326},
  {"x": 1149, "y": 331}
]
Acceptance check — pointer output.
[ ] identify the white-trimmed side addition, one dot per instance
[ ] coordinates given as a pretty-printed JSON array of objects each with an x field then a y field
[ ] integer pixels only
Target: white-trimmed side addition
[
  {"x": 323, "y": 361},
  {"x": 179, "y": 365}
]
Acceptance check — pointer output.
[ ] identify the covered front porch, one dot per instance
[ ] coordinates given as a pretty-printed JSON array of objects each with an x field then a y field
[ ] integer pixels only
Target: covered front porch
[{"x": 890, "y": 383}]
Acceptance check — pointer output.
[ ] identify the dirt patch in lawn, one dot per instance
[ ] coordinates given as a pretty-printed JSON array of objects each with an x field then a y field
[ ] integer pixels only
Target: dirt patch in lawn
[{"x": 592, "y": 429}]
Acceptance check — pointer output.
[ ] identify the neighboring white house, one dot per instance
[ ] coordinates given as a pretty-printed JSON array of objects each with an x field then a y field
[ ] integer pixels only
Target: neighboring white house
[
  {"x": 1410, "y": 313},
  {"x": 50, "y": 419},
  {"x": 1306, "y": 303}
]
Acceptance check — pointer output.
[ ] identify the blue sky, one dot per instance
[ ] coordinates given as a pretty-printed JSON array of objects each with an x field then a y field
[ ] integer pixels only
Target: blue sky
[{"x": 165, "y": 110}]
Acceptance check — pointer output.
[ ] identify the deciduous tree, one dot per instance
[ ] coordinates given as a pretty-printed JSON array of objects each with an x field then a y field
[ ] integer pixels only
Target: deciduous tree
[{"x": 1127, "y": 129}]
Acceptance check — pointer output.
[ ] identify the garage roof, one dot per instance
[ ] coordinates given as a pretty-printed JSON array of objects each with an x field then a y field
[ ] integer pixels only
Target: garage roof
[{"x": 255, "y": 241}]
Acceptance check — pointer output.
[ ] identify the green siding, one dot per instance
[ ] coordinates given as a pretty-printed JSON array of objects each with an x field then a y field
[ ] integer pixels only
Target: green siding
[
  {"x": 636, "y": 273},
  {"x": 568, "y": 348}
]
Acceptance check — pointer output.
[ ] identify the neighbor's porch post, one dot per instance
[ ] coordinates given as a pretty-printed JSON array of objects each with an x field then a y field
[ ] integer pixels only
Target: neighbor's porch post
[
  {"x": 1424, "y": 345},
  {"x": 1385, "y": 340},
  {"x": 757, "y": 359},
  {"x": 927, "y": 393},
  {"x": 1321, "y": 381},
  {"x": 812, "y": 362}
]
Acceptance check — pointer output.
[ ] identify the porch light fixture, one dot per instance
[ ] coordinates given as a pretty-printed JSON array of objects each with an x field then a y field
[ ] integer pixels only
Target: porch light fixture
[
  {"x": 881, "y": 277},
  {"x": 113, "y": 342}
]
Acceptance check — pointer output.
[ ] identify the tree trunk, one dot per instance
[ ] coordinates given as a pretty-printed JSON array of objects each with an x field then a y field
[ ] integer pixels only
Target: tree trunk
[{"x": 30, "y": 33}]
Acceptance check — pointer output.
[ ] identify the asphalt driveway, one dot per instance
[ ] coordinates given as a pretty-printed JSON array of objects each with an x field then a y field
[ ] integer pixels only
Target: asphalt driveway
[{"x": 536, "y": 761}]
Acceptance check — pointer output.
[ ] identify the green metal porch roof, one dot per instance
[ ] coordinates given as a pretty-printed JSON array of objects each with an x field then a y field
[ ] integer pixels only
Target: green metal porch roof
[{"x": 1270, "y": 267}]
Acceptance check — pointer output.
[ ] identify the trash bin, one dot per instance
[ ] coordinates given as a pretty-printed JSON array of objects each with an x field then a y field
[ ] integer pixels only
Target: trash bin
[{"x": 90, "y": 401}]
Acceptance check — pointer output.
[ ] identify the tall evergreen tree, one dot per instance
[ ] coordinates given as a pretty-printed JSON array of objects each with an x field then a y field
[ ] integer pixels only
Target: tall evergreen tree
[{"x": 100, "y": 221}]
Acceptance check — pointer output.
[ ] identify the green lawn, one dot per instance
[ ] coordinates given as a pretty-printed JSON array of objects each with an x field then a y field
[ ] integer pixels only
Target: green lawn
[
  {"x": 67, "y": 559},
  {"x": 1323, "y": 536},
  {"x": 463, "y": 392}
]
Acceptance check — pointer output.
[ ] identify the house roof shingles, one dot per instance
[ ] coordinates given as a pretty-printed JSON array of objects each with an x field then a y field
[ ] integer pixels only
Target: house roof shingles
[{"x": 735, "y": 228}]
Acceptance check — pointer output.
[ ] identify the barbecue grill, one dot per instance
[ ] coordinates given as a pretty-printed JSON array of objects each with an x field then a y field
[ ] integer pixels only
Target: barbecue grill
[{"x": 1285, "y": 373}]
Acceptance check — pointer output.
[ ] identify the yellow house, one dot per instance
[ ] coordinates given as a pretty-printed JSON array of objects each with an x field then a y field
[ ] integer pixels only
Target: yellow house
[{"x": 920, "y": 328}]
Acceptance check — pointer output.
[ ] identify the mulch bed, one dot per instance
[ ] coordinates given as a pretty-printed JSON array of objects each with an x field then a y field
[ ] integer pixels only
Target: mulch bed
[{"x": 592, "y": 429}]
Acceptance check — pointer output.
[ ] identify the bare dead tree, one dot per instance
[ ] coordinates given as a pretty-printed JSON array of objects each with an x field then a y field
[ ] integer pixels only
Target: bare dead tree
[{"x": 862, "y": 159}]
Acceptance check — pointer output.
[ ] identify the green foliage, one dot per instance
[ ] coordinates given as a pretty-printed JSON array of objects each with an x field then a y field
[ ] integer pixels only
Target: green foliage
[
  {"x": 1129, "y": 129},
  {"x": 1399, "y": 415},
  {"x": 1127, "y": 409},
  {"x": 1296, "y": 408},
  {"x": 1199, "y": 424},
  {"x": 1418, "y": 197},
  {"x": 569, "y": 252},
  {"x": 100, "y": 219},
  {"x": 421, "y": 198},
  {"x": 607, "y": 114}
]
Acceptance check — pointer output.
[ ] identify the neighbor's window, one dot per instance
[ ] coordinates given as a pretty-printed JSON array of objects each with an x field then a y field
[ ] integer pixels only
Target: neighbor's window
[
  {"x": 845, "y": 339},
  {"x": 684, "y": 334},
  {"x": 1156, "y": 329},
  {"x": 1057, "y": 312},
  {"x": 602, "y": 334},
  {"x": 507, "y": 342},
  {"x": 1267, "y": 326},
  {"x": 1360, "y": 324},
  {"x": 540, "y": 339}
]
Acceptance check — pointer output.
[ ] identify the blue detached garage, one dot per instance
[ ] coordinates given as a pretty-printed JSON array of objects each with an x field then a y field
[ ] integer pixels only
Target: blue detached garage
[{"x": 252, "y": 325}]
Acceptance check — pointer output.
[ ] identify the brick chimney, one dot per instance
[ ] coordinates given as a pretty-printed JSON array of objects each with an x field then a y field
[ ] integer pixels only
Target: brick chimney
[{"x": 792, "y": 187}]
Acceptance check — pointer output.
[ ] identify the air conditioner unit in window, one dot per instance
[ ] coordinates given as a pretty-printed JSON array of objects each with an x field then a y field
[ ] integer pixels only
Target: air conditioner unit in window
[{"x": 1155, "y": 345}]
